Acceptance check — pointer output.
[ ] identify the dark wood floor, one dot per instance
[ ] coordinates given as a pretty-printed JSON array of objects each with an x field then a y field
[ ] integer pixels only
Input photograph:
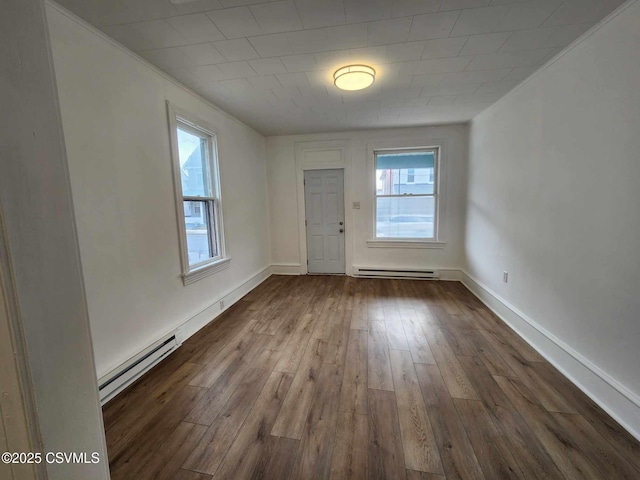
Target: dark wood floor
[{"x": 336, "y": 377}]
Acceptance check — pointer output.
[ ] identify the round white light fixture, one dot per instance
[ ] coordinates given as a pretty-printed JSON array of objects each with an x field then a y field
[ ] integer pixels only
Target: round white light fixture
[{"x": 354, "y": 77}]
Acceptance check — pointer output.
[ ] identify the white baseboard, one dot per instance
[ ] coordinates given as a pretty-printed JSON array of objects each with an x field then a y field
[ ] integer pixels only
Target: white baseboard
[
  {"x": 117, "y": 380},
  {"x": 285, "y": 268},
  {"x": 613, "y": 397},
  {"x": 206, "y": 316},
  {"x": 449, "y": 275},
  {"x": 294, "y": 269},
  {"x": 193, "y": 324}
]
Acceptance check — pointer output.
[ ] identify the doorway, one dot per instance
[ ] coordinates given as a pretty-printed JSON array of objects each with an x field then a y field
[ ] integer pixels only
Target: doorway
[{"x": 325, "y": 220}]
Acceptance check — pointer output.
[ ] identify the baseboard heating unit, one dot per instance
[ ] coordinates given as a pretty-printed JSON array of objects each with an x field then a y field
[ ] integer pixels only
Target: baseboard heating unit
[
  {"x": 385, "y": 272},
  {"x": 127, "y": 373}
]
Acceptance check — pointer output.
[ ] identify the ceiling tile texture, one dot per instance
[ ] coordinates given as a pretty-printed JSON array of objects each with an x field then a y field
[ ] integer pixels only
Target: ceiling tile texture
[{"x": 270, "y": 63}]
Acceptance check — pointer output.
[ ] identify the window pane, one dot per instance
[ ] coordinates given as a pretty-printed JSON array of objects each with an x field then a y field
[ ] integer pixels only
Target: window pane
[
  {"x": 194, "y": 166},
  {"x": 198, "y": 233},
  {"x": 405, "y": 217},
  {"x": 411, "y": 172}
]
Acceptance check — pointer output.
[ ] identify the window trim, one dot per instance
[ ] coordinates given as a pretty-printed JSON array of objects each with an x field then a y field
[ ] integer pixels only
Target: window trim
[
  {"x": 437, "y": 241},
  {"x": 192, "y": 273}
]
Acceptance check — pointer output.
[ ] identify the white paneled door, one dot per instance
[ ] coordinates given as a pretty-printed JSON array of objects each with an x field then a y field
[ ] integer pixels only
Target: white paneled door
[{"x": 324, "y": 208}]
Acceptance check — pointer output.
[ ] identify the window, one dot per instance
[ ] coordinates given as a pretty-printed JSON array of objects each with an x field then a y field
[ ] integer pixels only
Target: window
[
  {"x": 411, "y": 175},
  {"x": 197, "y": 188},
  {"x": 406, "y": 194}
]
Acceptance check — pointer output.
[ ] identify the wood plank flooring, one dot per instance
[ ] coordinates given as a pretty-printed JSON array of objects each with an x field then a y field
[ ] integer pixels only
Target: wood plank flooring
[{"x": 340, "y": 378}]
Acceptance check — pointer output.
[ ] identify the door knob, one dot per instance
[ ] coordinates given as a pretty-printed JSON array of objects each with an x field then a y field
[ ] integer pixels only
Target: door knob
[
  {"x": 341, "y": 223},
  {"x": 341, "y": 230}
]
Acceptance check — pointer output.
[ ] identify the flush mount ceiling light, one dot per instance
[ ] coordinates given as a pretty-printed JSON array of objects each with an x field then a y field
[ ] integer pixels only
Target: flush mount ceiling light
[{"x": 354, "y": 77}]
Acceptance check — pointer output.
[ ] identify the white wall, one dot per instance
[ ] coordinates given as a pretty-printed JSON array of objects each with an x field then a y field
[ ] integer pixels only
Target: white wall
[
  {"x": 554, "y": 199},
  {"x": 115, "y": 122},
  {"x": 284, "y": 208},
  {"x": 39, "y": 258}
]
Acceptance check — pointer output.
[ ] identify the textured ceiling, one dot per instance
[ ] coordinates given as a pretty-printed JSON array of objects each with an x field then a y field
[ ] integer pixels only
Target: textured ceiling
[{"x": 271, "y": 63}]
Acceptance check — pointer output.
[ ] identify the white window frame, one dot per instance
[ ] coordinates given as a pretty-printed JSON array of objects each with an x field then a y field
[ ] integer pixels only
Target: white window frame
[
  {"x": 192, "y": 273},
  {"x": 385, "y": 242}
]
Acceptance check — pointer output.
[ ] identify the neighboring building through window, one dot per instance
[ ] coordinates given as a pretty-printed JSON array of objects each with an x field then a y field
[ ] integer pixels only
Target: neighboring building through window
[
  {"x": 198, "y": 192},
  {"x": 406, "y": 202},
  {"x": 411, "y": 175}
]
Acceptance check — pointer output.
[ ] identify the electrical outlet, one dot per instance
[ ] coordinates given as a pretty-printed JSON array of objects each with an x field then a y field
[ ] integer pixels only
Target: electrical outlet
[{"x": 505, "y": 277}]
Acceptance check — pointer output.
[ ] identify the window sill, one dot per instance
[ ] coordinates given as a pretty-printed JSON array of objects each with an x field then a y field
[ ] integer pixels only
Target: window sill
[
  {"x": 205, "y": 271},
  {"x": 405, "y": 244}
]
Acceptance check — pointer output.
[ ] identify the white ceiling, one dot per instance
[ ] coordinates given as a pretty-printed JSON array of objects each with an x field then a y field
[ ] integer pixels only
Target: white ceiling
[{"x": 270, "y": 63}]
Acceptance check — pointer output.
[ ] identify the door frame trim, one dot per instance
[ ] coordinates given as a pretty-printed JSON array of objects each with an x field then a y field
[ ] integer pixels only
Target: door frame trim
[
  {"x": 344, "y": 146},
  {"x": 21, "y": 423}
]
